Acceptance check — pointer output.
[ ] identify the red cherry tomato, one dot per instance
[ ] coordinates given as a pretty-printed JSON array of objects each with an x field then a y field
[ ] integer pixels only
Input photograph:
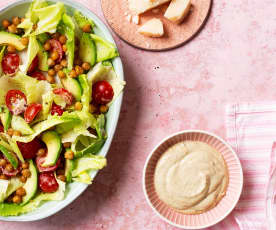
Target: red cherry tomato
[
  {"x": 56, "y": 46},
  {"x": 48, "y": 182},
  {"x": 56, "y": 109},
  {"x": 10, "y": 63},
  {"x": 30, "y": 149},
  {"x": 38, "y": 75},
  {"x": 16, "y": 101},
  {"x": 31, "y": 112},
  {"x": 65, "y": 94},
  {"x": 33, "y": 66},
  {"x": 40, "y": 161},
  {"x": 102, "y": 92}
]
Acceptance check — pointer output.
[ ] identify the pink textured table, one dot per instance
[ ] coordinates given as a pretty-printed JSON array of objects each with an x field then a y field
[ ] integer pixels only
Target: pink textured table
[{"x": 232, "y": 59}]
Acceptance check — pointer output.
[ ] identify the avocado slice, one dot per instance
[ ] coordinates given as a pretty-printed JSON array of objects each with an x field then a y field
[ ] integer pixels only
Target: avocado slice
[
  {"x": 87, "y": 49},
  {"x": 10, "y": 156},
  {"x": 73, "y": 86},
  {"x": 31, "y": 184},
  {"x": 6, "y": 117},
  {"x": 53, "y": 143},
  {"x": 105, "y": 49},
  {"x": 11, "y": 39},
  {"x": 18, "y": 123},
  {"x": 13, "y": 184},
  {"x": 42, "y": 58},
  {"x": 69, "y": 167}
]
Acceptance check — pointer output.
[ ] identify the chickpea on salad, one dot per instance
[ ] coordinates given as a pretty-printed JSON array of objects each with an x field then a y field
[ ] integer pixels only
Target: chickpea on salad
[{"x": 57, "y": 83}]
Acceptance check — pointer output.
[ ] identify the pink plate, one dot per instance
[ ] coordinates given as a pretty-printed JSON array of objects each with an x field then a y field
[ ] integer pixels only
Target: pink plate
[{"x": 224, "y": 207}]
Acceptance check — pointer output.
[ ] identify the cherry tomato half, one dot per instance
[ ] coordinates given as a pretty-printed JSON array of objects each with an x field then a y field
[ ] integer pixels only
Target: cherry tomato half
[
  {"x": 102, "y": 92},
  {"x": 16, "y": 101},
  {"x": 65, "y": 94},
  {"x": 56, "y": 109},
  {"x": 40, "y": 160},
  {"x": 10, "y": 63},
  {"x": 56, "y": 46},
  {"x": 30, "y": 149},
  {"x": 48, "y": 182},
  {"x": 33, "y": 66},
  {"x": 38, "y": 75},
  {"x": 31, "y": 112}
]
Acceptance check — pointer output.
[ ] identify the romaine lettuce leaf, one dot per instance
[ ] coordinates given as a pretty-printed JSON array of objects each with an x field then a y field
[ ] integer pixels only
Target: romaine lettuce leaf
[
  {"x": 101, "y": 72},
  {"x": 83, "y": 177},
  {"x": 89, "y": 162},
  {"x": 49, "y": 17},
  {"x": 32, "y": 51},
  {"x": 81, "y": 20},
  {"x": 3, "y": 189},
  {"x": 105, "y": 49},
  {"x": 36, "y": 4},
  {"x": 87, "y": 92},
  {"x": 27, "y": 25},
  {"x": 47, "y": 124}
]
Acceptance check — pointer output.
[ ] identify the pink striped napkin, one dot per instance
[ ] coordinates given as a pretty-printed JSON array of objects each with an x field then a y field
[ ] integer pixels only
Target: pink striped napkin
[{"x": 251, "y": 130}]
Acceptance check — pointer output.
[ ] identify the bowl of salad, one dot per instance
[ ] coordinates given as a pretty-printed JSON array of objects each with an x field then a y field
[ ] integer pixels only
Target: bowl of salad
[{"x": 61, "y": 84}]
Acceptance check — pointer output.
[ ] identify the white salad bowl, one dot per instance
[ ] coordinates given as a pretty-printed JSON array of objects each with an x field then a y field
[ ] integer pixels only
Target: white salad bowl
[{"x": 73, "y": 189}]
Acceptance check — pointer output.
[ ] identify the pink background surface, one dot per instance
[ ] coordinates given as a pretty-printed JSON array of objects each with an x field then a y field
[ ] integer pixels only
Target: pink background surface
[{"x": 231, "y": 60}]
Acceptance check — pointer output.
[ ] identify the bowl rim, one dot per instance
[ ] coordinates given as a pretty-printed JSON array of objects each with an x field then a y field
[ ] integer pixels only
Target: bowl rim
[
  {"x": 118, "y": 102},
  {"x": 172, "y": 136}
]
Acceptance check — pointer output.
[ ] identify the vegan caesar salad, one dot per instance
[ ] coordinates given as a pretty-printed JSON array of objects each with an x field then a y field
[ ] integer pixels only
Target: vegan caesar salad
[{"x": 57, "y": 84}]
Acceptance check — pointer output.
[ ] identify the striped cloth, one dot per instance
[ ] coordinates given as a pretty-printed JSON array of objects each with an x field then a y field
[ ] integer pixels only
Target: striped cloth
[{"x": 251, "y": 130}]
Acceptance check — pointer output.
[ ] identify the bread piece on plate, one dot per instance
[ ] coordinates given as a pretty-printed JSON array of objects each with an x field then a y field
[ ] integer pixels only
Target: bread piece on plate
[
  {"x": 178, "y": 10},
  {"x": 152, "y": 28},
  {"x": 141, "y": 6}
]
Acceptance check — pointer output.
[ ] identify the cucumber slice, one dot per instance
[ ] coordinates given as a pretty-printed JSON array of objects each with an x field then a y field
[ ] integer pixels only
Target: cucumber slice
[
  {"x": 87, "y": 51},
  {"x": 31, "y": 184},
  {"x": 53, "y": 143},
  {"x": 18, "y": 123},
  {"x": 6, "y": 117},
  {"x": 73, "y": 86}
]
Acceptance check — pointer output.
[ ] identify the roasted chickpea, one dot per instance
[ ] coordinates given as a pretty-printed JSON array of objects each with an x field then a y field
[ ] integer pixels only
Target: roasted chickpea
[
  {"x": 17, "y": 199},
  {"x": 54, "y": 55},
  {"x": 16, "y": 20},
  {"x": 26, "y": 173},
  {"x": 51, "y": 72},
  {"x": 3, "y": 162},
  {"x": 50, "y": 62},
  {"x": 12, "y": 29},
  {"x": 9, "y": 167},
  {"x": 25, "y": 165},
  {"x": 86, "y": 28},
  {"x": 3, "y": 177},
  {"x": 23, "y": 179},
  {"x": 67, "y": 144},
  {"x": 69, "y": 155},
  {"x": 41, "y": 152},
  {"x": 93, "y": 108},
  {"x": 17, "y": 133},
  {"x": 103, "y": 108},
  {"x": 78, "y": 106},
  {"x": 47, "y": 46},
  {"x": 62, "y": 39},
  {"x": 10, "y": 132},
  {"x": 50, "y": 79},
  {"x": 20, "y": 191},
  {"x": 78, "y": 69},
  {"x": 58, "y": 67},
  {"x": 11, "y": 49},
  {"x": 61, "y": 74},
  {"x": 73, "y": 73},
  {"x": 64, "y": 48},
  {"x": 63, "y": 62},
  {"x": 25, "y": 41},
  {"x": 5, "y": 23},
  {"x": 61, "y": 177},
  {"x": 86, "y": 66}
]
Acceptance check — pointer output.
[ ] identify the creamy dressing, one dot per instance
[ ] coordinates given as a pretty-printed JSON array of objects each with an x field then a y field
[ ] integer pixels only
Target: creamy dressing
[{"x": 191, "y": 177}]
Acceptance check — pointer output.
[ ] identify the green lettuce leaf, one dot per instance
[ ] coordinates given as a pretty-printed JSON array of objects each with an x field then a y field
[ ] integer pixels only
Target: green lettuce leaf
[
  {"x": 36, "y": 4},
  {"x": 87, "y": 92},
  {"x": 83, "y": 177},
  {"x": 102, "y": 72},
  {"x": 32, "y": 51},
  {"x": 105, "y": 49},
  {"x": 27, "y": 25},
  {"x": 49, "y": 17},
  {"x": 81, "y": 20},
  {"x": 47, "y": 124}
]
